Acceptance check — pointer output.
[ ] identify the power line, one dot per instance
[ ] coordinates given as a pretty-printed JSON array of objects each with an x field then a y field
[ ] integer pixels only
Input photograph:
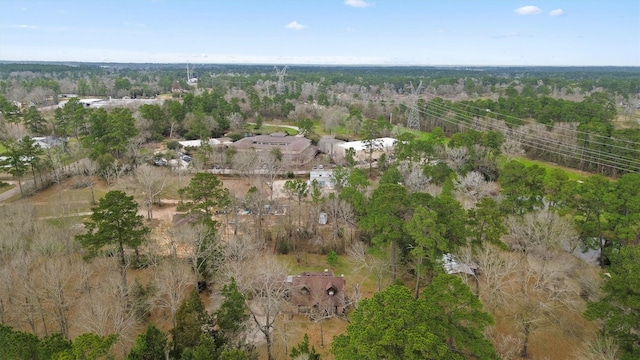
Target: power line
[
  {"x": 599, "y": 155},
  {"x": 541, "y": 143},
  {"x": 610, "y": 145},
  {"x": 571, "y": 130}
]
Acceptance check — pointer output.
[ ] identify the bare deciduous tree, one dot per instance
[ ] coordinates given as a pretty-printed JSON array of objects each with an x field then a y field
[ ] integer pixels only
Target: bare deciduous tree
[
  {"x": 201, "y": 245},
  {"x": 86, "y": 172},
  {"x": 332, "y": 117},
  {"x": 150, "y": 182},
  {"x": 512, "y": 148},
  {"x": 56, "y": 276},
  {"x": 495, "y": 267},
  {"x": 457, "y": 157},
  {"x": 538, "y": 232},
  {"x": 341, "y": 215},
  {"x": 598, "y": 348},
  {"x": 376, "y": 265},
  {"x": 265, "y": 284},
  {"x": 242, "y": 248},
  {"x": 507, "y": 346},
  {"x": 31, "y": 306},
  {"x": 114, "y": 172},
  {"x": 103, "y": 312},
  {"x": 272, "y": 166},
  {"x": 172, "y": 278},
  {"x": 537, "y": 299},
  {"x": 413, "y": 177},
  {"x": 246, "y": 163},
  {"x": 16, "y": 226},
  {"x": 256, "y": 201},
  {"x": 474, "y": 187},
  {"x": 236, "y": 121}
]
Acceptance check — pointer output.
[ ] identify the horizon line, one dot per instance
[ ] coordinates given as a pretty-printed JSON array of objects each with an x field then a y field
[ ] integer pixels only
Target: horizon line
[{"x": 301, "y": 64}]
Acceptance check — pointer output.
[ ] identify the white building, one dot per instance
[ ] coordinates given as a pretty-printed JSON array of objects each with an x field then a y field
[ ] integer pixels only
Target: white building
[
  {"x": 323, "y": 177},
  {"x": 198, "y": 143},
  {"x": 361, "y": 147}
]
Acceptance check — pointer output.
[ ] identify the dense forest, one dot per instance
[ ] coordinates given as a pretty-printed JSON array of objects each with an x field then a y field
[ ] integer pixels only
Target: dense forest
[{"x": 526, "y": 178}]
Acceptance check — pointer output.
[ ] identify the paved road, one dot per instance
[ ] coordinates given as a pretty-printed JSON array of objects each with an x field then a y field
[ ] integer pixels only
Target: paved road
[
  {"x": 28, "y": 183},
  {"x": 12, "y": 192}
]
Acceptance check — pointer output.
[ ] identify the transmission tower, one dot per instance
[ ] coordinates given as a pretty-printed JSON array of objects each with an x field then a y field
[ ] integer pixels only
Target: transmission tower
[
  {"x": 281, "y": 74},
  {"x": 413, "y": 121}
]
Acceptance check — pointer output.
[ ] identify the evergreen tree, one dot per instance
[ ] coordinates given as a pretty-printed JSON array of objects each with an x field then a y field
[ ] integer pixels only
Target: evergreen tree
[
  {"x": 114, "y": 222},
  {"x": 303, "y": 351},
  {"x": 231, "y": 316},
  {"x": 204, "y": 194},
  {"x": 88, "y": 346},
  {"x": 150, "y": 345},
  {"x": 620, "y": 306},
  {"x": 34, "y": 121},
  {"x": 446, "y": 322},
  {"x": 191, "y": 319}
]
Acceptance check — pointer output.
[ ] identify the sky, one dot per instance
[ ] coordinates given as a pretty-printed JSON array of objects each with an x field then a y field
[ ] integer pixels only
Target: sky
[{"x": 324, "y": 32}]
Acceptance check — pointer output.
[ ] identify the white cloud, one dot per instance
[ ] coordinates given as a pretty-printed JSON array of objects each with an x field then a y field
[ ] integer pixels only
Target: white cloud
[
  {"x": 357, "y": 3},
  {"x": 556, "y": 12},
  {"x": 295, "y": 26},
  {"x": 528, "y": 10},
  {"x": 21, "y": 26}
]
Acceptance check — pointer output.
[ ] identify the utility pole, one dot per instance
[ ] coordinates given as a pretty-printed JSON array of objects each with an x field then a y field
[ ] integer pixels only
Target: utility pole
[
  {"x": 413, "y": 121},
  {"x": 281, "y": 74}
]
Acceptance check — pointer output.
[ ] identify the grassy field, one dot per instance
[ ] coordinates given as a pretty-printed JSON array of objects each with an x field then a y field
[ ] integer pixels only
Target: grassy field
[
  {"x": 573, "y": 174},
  {"x": 269, "y": 129}
]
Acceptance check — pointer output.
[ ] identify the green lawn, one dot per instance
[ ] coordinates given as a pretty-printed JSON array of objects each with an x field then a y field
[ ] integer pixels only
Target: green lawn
[
  {"x": 573, "y": 174},
  {"x": 266, "y": 129}
]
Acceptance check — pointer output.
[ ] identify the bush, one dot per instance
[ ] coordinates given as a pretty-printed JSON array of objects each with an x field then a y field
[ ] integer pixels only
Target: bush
[
  {"x": 141, "y": 297},
  {"x": 315, "y": 138},
  {"x": 283, "y": 247},
  {"x": 235, "y": 136},
  {"x": 332, "y": 259},
  {"x": 157, "y": 137},
  {"x": 342, "y": 137},
  {"x": 173, "y": 145}
]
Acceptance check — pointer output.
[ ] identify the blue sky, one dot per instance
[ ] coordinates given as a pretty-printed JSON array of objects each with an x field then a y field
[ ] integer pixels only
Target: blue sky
[{"x": 369, "y": 32}]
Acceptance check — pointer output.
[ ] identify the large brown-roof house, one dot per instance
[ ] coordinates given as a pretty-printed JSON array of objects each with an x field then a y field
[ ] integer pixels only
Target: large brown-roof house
[
  {"x": 296, "y": 149},
  {"x": 318, "y": 292}
]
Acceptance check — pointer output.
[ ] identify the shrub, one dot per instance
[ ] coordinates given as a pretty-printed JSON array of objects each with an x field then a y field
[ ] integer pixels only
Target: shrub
[
  {"x": 173, "y": 145},
  {"x": 283, "y": 247},
  {"x": 332, "y": 259}
]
